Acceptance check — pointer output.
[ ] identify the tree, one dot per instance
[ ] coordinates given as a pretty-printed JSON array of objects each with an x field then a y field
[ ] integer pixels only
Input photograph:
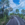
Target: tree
[
  {"x": 2, "y": 0},
  {"x": 17, "y": 10},
  {"x": 7, "y": 2},
  {"x": 6, "y": 12},
  {"x": 10, "y": 9},
  {"x": 13, "y": 12},
  {"x": 1, "y": 12},
  {"x": 23, "y": 11}
]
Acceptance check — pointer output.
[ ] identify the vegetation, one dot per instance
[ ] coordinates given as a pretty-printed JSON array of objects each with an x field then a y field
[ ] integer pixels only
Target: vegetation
[
  {"x": 2, "y": 0},
  {"x": 20, "y": 15},
  {"x": 4, "y": 17},
  {"x": 17, "y": 10},
  {"x": 4, "y": 20},
  {"x": 1, "y": 14},
  {"x": 23, "y": 11}
]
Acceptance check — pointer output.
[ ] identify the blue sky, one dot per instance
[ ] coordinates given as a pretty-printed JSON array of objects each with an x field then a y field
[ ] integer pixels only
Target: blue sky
[
  {"x": 17, "y": 4},
  {"x": 16, "y": 1},
  {"x": 0, "y": 0}
]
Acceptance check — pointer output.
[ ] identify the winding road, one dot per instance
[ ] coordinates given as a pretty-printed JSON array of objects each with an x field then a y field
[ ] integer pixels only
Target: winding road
[{"x": 15, "y": 21}]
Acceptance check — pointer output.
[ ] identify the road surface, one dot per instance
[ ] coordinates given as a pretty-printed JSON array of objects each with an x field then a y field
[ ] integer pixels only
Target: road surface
[{"x": 16, "y": 21}]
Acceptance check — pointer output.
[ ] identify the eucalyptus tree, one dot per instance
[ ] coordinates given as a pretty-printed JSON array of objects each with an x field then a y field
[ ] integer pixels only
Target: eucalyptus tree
[
  {"x": 17, "y": 10},
  {"x": 2, "y": 0},
  {"x": 1, "y": 13},
  {"x": 7, "y": 2},
  {"x": 10, "y": 9},
  {"x": 6, "y": 11},
  {"x": 23, "y": 11}
]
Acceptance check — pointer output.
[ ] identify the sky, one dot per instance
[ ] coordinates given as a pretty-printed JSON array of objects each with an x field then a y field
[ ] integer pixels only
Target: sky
[
  {"x": 17, "y": 4},
  {"x": 16, "y": 1},
  {"x": 0, "y": 0}
]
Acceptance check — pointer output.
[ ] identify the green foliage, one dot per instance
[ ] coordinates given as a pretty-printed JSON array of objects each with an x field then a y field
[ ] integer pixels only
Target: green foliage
[
  {"x": 1, "y": 14},
  {"x": 0, "y": 9},
  {"x": 21, "y": 15},
  {"x": 15, "y": 14},
  {"x": 10, "y": 9},
  {"x": 24, "y": 17},
  {"x": 7, "y": 2},
  {"x": 17, "y": 10},
  {"x": 5, "y": 19},
  {"x": 6, "y": 12},
  {"x": 11, "y": 13},
  {"x": 23, "y": 11},
  {"x": 2, "y": 0}
]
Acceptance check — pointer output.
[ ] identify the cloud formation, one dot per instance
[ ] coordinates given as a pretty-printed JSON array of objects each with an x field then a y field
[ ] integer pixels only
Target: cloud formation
[
  {"x": 21, "y": 5},
  {"x": 12, "y": 4}
]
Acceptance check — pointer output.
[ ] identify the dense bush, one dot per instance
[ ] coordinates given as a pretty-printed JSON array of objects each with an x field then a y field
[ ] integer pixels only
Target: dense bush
[
  {"x": 1, "y": 15},
  {"x": 21, "y": 15},
  {"x": 11, "y": 13},
  {"x": 5, "y": 19}
]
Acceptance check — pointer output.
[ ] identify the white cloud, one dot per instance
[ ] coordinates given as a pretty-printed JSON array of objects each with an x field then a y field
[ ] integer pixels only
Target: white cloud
[
  {"x": 15, "y": 6},
  {"x": 12, "y": 4},
  {"x": 21, "y": 5},
  {"x": 21, "y": 1}
]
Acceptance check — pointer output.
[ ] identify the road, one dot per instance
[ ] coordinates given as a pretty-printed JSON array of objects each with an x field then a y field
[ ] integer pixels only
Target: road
[{"x": 16, "y": 21}]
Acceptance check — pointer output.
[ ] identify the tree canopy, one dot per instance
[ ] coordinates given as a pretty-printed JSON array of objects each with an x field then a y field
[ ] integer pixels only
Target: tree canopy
[
  {"x": 17, "y": 10},
  {"x": 23, "y": 11}
]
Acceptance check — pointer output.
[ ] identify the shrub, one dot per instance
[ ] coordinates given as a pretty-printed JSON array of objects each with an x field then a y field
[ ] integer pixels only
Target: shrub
[{"x": 1, "y": 16}]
